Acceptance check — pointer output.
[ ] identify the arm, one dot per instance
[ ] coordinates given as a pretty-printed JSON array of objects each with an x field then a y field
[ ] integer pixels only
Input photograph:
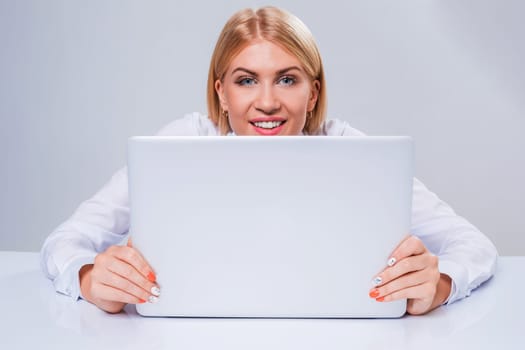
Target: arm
[
  {"x": 82, "y": 256},
  {"x": 465, "y": 254},
  {"x": 98, "y": 223},
  {"x": 443, "y": 261}
]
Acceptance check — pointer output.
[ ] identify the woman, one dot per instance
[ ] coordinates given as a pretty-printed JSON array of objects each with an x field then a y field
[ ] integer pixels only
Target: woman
[{"x": 265, "y": 78}]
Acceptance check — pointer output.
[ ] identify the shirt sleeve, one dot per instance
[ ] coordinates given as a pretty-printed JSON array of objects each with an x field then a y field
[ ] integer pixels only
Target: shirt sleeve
[
  {"x": 465, "y": 254},
  {"x": 101, "y": 221}
]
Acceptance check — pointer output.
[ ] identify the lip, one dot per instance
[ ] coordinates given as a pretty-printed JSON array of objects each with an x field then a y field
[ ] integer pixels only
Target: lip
[{"x": 268, "y": 132}]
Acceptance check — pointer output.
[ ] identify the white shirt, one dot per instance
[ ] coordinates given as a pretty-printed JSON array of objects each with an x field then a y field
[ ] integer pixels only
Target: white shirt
[{"x": 465, "y": 254}]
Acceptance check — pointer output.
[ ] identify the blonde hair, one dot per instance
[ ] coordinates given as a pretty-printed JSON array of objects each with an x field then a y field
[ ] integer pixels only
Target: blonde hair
[{"x": 277, "y": 26}]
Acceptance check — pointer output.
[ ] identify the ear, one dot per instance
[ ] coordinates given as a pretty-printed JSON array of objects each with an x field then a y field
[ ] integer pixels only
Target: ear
[
  {"x": 219, "y": 89},
  {"x": 314, "y": 94}
]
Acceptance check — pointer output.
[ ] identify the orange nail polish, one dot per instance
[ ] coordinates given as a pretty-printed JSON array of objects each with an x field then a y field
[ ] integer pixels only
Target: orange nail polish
[
  {"x": 374, "y": 293},
  {"x": 142, "y": 301},
  {"x": 152, "y": 277},
  {"x": 380, "y": 299}
]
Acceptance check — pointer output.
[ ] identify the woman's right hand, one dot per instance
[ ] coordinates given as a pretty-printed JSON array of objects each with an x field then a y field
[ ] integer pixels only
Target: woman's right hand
[{"x": 119, "y": 276}]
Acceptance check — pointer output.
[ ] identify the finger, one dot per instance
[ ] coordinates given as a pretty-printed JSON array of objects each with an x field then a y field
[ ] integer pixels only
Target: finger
[
  {"x": 409, "y": 246},
  {"x": 129, "y": 244},
  {"x": 133, "y": 257},
  {"x": 106, "y": 292},
  {"x": 406, "y": 281},
  {"x": 116, "y": 281},
  {"x": 405, "y": 266},
  {"x": 421, "y": 291},
  {"x": 129, "y": 273}
]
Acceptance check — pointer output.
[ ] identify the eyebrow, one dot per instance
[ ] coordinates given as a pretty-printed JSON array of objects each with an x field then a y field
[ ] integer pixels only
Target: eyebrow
[{"x": 279, "y": 72}]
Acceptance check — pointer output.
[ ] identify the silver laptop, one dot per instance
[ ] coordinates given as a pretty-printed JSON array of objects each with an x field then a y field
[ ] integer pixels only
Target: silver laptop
[{"x": 269, "y": 226}]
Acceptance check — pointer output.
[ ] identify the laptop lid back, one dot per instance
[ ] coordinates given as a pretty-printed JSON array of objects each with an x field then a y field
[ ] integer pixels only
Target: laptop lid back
[{"x": 269, "y": 227}]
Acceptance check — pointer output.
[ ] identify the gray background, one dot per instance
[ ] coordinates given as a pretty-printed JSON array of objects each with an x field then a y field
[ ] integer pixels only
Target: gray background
[{"x": 78, "y": 77}]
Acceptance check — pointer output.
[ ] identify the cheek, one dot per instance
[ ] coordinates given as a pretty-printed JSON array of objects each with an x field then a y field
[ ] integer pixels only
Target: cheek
[
  {"x": 238, "y": 121},
  {"x": 299, "y": 104},
  {"x": 296, "y": 126},
  {"x": 241, "y": 127},
  {"x": 238, "y": 101}
]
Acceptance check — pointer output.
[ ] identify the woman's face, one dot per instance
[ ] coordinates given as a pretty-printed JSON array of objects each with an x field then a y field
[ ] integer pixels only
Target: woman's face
[{"x": 266, "y": 91}]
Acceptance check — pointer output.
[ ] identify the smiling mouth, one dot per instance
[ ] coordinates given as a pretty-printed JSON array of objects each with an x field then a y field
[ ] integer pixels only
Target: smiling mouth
[{"x": 268, "y": 125}]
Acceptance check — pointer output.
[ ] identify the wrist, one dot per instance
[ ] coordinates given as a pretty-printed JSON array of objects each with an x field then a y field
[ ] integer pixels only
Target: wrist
[
  {"x": 443, "y": 289},
  {"x": 84, "y": 277}
]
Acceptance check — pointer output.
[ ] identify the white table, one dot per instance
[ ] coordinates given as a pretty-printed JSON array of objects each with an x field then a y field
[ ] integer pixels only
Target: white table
[{"x": 34, "y": 316}]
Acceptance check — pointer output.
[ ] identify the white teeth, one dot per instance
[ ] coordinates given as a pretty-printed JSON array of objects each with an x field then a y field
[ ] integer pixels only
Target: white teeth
[{"x": 268, "y": 125}]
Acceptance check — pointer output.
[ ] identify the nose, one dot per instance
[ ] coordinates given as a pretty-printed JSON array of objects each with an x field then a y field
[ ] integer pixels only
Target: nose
[{"x": 267, "y": 100}]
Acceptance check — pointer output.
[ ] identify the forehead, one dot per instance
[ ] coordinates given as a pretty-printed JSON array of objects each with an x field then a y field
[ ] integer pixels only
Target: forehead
[{"x": 264, "y": 55}]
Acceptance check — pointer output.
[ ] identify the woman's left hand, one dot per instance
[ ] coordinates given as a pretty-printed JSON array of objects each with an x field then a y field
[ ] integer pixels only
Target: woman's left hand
[{"x": 412, "y": 274}]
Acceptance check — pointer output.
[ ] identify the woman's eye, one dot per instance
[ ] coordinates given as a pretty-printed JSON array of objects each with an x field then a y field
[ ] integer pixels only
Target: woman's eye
[
  {"x": 246, "y": 81},
  {"x": 287, "y": 81}
]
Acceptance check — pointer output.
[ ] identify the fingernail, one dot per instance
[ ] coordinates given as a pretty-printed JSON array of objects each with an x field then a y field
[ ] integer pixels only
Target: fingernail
[
  {"x": 380, "y": 299},
  {"x": 376, "y": 281},
  {"x": 153, "y": 299},
  {"x": 374, "y": 293},
  {"x": 142, "y": 301},
  {"x": 391, "y": 261},
  {"x": 155, "y": 291},
  {"x": 152, "y": 277}
]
